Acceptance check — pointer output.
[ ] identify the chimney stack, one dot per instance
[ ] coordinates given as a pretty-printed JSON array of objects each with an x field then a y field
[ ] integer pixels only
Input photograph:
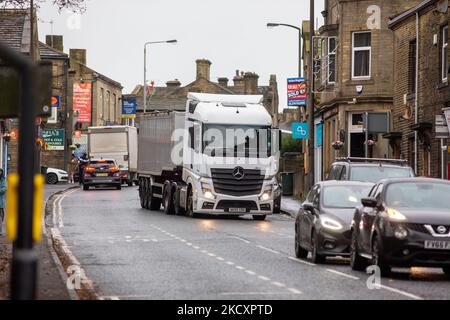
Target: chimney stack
[
  {"x": 173, "y": 84},
  {"x": 203, "y": 69},
  {"x": 238, "y": 81},
  {"x": 250, "y": 83},
  {"x": 56, "y": 42},
  {"x": 78, "y": 55},
  {"x": 223, "y": 82}
]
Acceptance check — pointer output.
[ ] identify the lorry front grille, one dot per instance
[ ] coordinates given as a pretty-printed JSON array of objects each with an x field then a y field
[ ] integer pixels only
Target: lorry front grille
[{"x": 225, "y": 183}]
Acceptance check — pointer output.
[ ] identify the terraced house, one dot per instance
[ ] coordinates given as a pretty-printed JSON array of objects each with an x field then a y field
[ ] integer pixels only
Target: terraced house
[
  {"x": 354, "y": 76},
  {"x": 421, "y": 85}
]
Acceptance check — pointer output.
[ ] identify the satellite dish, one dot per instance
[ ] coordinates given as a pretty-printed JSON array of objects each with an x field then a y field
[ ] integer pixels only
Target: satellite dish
[{"x": 442, "y": 6}]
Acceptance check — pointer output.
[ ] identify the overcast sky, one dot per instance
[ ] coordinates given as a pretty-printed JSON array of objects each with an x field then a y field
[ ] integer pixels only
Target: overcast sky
[{"x": 232, "y": 34}]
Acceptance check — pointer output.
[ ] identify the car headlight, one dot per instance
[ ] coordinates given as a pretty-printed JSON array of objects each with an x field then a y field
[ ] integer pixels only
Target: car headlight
[
  {"x": 401, "y": 233},
  {"x": 207, "y": 191},
  {"x": 331, "y": 224},
  {"x": 395, "y": 215}
]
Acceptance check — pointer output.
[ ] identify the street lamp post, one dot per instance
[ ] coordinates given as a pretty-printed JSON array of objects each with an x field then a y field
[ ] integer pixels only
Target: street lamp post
[
  {"x": 273, "y": 25},
  {"x": 145, "y": 67}
]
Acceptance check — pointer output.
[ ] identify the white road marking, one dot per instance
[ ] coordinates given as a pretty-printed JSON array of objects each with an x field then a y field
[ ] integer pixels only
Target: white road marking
[
  {"x": 250, "y": 272},
  {"x": 404, "y": 293},
  {"x": 267, "y": 249},
  {"x": 301, "y": 261},
  {"x": 263, "y": 278},
  {"x": 278, "y": 284},
  {"x": 343, "y": 274},
  {"x": 239, "y": 267},
  {"x": 220, "y": 258},
  {"x": 230, "y": 263},
  {"x": 241, "y": 239},
  {"x": 253, "y": 293},
  {"x": 294, "y": 291}
]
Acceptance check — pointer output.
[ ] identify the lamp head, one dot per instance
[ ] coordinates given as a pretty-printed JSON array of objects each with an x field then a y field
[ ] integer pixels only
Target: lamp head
[{"x": 272, "y": 25}]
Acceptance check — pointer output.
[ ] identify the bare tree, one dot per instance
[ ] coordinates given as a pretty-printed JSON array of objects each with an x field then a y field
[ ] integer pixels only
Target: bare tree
[{"x": 72, "y": 5}]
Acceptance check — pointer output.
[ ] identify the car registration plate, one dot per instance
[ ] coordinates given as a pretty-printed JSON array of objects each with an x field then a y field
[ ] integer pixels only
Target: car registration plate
[
  {"x": 102, "y": 174},
  {"x": 437, "y": 245},
  {"x": 237, "y": 210}
]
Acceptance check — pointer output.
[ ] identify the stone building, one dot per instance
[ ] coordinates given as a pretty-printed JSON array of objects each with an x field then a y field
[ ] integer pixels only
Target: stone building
[
  {"x": 15, "y": 32},
  {"x": 420, "y": 93},
  {"x": 173, "y": 95},
  {"x": 353, "y": 75},
  {"x": 59, "y": 156}
]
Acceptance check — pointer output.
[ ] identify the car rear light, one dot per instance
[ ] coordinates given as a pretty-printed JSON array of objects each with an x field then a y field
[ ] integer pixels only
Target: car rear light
[
  {"x": 89, "y": 169},
  {"x": 113, "y": 168}
]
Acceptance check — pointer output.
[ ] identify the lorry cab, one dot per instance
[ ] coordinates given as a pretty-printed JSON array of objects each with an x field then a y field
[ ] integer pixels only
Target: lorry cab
[{"x": 232, "y": 154}]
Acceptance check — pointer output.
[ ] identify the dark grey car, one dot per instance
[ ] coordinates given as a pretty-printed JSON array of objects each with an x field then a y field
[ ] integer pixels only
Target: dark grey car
[{"x": 323, "y": 223}]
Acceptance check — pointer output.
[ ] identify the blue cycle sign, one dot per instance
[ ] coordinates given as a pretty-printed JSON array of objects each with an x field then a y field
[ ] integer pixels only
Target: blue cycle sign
[{"x": 300, "y": 130}]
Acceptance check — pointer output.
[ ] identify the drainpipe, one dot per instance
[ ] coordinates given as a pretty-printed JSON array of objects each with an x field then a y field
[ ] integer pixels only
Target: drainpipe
[{"x": 416, "y": 111}]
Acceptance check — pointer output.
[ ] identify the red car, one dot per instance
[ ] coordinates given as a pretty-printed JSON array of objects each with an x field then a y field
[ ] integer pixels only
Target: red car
[{"x": 102, "y": 173}]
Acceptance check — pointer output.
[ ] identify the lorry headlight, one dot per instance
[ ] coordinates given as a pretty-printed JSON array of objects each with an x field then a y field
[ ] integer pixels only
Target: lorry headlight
[
  {"x": 265, "y": 196},
  {"x": 207, "y": 191}
]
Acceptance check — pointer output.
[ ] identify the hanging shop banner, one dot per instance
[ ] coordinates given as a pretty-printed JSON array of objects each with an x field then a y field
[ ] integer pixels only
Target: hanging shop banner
[
  {"x": 296, "y": 92},
  {"x": 54, "y": 138},
  {"x": 129, "y": 108},
  {"x": 82, "y": 101}
]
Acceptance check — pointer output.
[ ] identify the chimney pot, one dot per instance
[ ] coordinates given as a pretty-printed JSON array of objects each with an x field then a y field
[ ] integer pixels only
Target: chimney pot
[{"x": 250, "y": 83}]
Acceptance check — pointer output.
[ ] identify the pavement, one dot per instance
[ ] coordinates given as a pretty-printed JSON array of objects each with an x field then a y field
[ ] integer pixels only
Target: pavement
[
  {"x": 290, "y": 206},
  {"x": 51, "y": 285},
  {"x": 130, "y": 253}
]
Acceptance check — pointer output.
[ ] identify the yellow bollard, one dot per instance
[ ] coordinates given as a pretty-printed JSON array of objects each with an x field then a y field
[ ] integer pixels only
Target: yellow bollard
[
  {"x": 37, "y": 207},
  {"x": 12, "y": 207}
]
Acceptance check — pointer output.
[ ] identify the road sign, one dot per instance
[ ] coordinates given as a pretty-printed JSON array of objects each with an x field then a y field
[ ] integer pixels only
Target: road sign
[
  {"x": 56, "y": 101},
  {"x": 300, "y": 130},
  {"x": 441, "y": 128},
  {"x": 296, "y": 92},
  {"x": 54, "y": 138},
  {"x": 129, "y": 108}
]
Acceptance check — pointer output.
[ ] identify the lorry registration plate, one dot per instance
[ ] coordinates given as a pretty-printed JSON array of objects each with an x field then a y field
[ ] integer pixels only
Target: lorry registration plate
[
  {"x": 237, "y": 210},
  {"x": 437, "y": 245}
]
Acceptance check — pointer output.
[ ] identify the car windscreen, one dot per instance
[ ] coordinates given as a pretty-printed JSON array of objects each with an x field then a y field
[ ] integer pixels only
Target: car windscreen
[
  {"x": 101, "y": 164},
  {"x": 344, "y": 196},
  {"x": 376, "y": 173},
  {"x": 418, "y": 195}
]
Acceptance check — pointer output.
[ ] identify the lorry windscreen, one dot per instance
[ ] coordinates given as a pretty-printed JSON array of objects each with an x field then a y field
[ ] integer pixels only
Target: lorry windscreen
[{"x": 237, "y": 141}]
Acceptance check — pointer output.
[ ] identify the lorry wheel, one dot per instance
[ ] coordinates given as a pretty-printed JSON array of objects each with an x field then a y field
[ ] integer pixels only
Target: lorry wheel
[
  {"x": 190, "y": 205},
  {"x": 153, "y": 202},
  {"x": 145, "y": 191},
  {"x": 141, "y": 195},
  {"x": 168, "y": 200},
  {"x": 259, "y": 217},
  {"x": 179, "y": 211}
]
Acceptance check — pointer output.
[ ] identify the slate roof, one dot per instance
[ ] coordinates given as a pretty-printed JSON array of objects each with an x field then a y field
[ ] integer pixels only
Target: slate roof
[
  {"x": 11, "y": 28},
  {"x": 48, "y": 52}
]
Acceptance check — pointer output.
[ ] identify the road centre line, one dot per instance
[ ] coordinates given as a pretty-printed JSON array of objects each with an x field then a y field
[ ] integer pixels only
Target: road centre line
[{"x": 342, "y": 274}]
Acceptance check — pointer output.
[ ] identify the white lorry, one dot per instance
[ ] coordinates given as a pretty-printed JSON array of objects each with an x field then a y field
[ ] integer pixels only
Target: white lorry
[
  {"x": 219, "y": 157},
  {"x": 118, "y": 143}
]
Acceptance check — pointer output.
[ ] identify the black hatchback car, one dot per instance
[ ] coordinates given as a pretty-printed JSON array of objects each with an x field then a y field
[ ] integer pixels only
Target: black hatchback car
[
  {"x": 403, "y": 223},
  {"x": 323, "y": 223},
  {"x": 101, "y": 172}
]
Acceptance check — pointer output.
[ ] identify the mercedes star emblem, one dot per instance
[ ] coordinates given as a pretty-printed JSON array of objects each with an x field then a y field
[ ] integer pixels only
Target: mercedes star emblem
[{"x": 238, "y": 173}]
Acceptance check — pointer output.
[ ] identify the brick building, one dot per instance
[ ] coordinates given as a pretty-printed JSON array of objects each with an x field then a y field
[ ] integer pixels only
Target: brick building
[
  {"x": 173, "y": 95},
  {"x": 420, "y": 93},
  {"x": 353, "y": 74}
]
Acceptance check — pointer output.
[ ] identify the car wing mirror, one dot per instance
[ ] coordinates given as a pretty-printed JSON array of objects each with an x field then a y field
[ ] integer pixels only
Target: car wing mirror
[
  {"x": 369, "y": 202},
  {"x": 308, "y": 207}
]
